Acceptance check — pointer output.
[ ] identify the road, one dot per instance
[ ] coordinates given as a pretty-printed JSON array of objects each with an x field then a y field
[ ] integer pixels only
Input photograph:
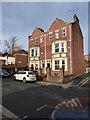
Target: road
[{"x": 35, "y": 100}]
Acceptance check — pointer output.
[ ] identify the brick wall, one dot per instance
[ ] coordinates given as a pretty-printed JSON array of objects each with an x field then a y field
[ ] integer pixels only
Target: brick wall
[
  {"x": 78, "y": 53},
  {"x": 56, "y": 79},
  {"x": 21, "y": 60}
]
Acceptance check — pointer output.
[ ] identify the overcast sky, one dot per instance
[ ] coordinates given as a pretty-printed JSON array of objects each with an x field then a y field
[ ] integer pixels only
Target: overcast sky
[{"x": 21, "y": 18}]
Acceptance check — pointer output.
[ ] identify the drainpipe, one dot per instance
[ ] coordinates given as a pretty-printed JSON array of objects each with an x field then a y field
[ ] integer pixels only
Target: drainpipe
[{"x": 45, "y": 51}]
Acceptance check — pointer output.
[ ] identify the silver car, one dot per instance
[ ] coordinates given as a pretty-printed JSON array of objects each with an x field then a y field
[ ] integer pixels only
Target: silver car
[
  {"x": 25, "y": 76},
  {"x": 4, "y": 73}
]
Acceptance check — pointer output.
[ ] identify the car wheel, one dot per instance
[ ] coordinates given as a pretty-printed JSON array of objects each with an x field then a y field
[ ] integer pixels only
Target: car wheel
[
  {"x": 24, "y": 80},
  {"x": 14, "y": 78}
]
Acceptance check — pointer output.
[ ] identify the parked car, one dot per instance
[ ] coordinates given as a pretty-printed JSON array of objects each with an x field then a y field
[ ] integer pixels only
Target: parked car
[
  {"x": 72, "y": 108},
  {"x": 4, "y": 73},
  {"x": 25, "y": 76}
]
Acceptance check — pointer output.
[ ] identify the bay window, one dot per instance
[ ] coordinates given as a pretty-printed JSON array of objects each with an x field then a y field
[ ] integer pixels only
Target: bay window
[
  {"x": 57, "y": 47},
  {"x": 63, "y": 64},
  {"x": 36, "y": 52},
  {"x": 62, "y": 47},
  {"x": 57, "y": 66},
  {"x": 32, "y": 52}
]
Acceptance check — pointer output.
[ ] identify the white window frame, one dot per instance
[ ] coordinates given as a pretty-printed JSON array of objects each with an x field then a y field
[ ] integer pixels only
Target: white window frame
[
  {"x": 57, "y": 66},
  {"x": 63, "y": 64},
  {"x": 41, "y": 39},
  {"x": 56, "y": 35},
  {"x": 36, "y": 52},
  {"x": 56, "y": 48},
  {"x": 50, "y": 36},
  {"x": 36, "y": 42},
  {"x": 64, "y": 32},
  {"x": 32, "y": 55},
  {"x": 62, "y": 47}
]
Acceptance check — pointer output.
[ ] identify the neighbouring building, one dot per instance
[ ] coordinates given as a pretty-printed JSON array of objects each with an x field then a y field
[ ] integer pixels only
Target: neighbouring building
[
  {"x": 17, "y": 61},
  {"x": 87, "y": 63},
  {"x": 87, "y": 60},
  {"x": 60, "y": 46},
  {"x": 21, "y": 60},
  {"x": 7, "y": 60}
]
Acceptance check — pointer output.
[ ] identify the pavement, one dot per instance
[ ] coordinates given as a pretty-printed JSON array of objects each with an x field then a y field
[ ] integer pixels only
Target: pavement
[
  {"x": 7, "y": 114},
  {"x": 46, "y": 83},
  {"x": 83, "y": 80}
]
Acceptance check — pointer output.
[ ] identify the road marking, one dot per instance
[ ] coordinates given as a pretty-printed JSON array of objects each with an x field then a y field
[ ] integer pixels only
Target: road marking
[
  {"x": 41, "y": 107},
  {"x": 25, "y": 117},
  {"x": 82, "y": 82}
]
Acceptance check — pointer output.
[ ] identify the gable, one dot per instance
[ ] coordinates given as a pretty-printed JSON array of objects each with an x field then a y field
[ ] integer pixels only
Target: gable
[
  {"x": 57, "y": 24},
  {"x": 37, "y": 32}
]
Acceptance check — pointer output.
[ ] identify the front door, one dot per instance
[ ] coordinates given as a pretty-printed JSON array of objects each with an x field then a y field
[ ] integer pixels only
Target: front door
[{"x": 48, "y": 65}]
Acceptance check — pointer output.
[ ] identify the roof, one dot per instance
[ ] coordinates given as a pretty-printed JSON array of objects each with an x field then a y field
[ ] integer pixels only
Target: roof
[
  {"x": 38, "y": 28},
  {"x": 57, "y": 19}
]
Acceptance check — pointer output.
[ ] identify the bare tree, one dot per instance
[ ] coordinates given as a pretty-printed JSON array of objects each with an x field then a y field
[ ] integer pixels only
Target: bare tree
[{"x": 11, "y": 45}]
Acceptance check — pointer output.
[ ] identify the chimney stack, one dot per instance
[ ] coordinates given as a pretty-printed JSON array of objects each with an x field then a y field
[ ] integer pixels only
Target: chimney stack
[{"x": 75, "y": 18}]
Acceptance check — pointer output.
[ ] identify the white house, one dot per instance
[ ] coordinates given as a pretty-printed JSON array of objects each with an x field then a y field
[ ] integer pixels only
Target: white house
[{"x": 7, "y": 59}]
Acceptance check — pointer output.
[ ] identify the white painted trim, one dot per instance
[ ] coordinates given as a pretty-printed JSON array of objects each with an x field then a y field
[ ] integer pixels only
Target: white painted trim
[
  {"x": 57, "y": 30},
  {"x": 36, "y": 38},
  {"x": 50, "y": 33},
  {"x": 34, "y": 51},
  {"x": 59, "y": 41},
  {"x": 64, "y": 28},
  {"x": 31, "y": 39},
  {"x": 60, "y": 61}
]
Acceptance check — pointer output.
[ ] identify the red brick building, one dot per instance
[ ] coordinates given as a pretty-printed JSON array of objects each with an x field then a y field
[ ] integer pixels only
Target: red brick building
[
  {"x": 61, "y": 46},
  {"x": 20, "y": 60},
  {"x": 17, "y": 61}
]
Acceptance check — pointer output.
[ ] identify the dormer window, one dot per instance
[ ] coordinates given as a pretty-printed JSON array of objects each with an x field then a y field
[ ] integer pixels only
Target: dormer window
[{"x": 63, "y": 32}]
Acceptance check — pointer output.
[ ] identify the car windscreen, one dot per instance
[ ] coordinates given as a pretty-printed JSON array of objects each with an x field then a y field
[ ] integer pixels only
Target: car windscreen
[
  {"x": 31, "y": 73},
  {"x": 21, "y": 72}
]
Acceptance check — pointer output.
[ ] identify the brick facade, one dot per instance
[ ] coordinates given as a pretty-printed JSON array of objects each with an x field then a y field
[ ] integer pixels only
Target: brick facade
[
  {"x": 20, "y": 60},
  {"x": 61, "y": 46}
]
